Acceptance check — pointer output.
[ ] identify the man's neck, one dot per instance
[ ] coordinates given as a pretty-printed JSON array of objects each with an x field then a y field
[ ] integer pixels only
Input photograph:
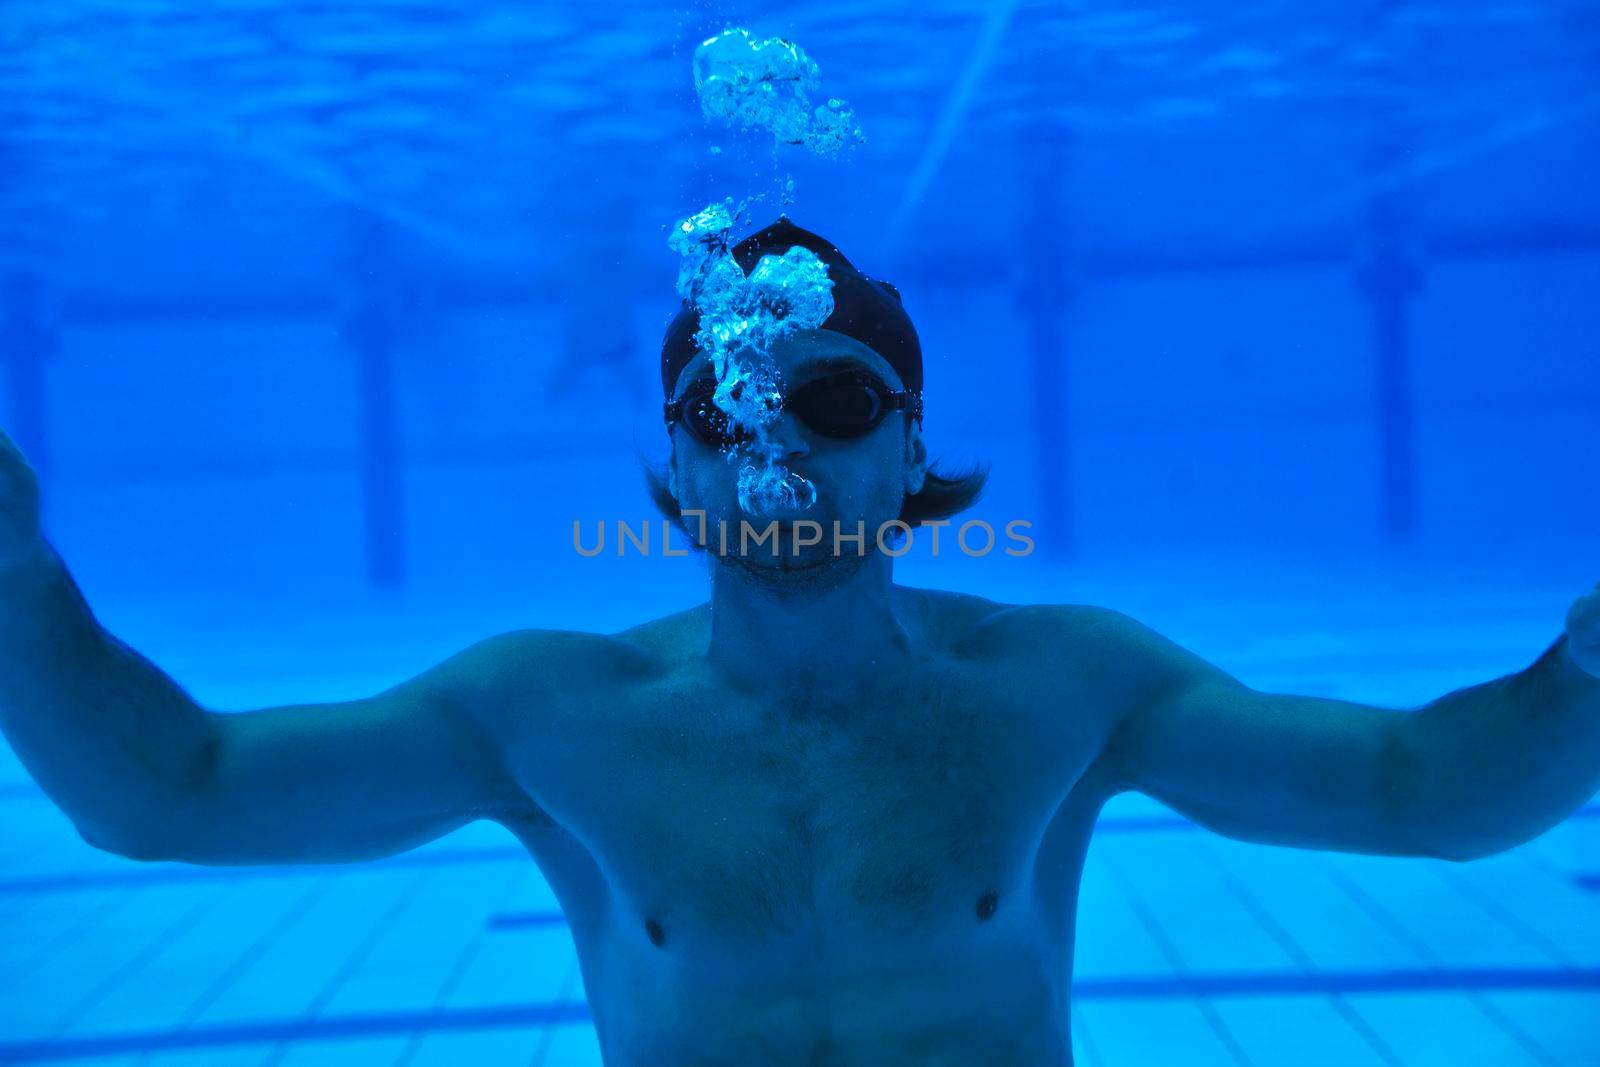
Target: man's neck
[{"x": 835, "y": 628}]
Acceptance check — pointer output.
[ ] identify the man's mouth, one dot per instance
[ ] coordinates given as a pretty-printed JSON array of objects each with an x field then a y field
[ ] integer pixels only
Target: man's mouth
[{"x": 784, "y": 563}]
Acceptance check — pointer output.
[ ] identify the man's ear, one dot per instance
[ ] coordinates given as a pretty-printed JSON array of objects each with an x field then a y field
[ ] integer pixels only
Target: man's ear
[{"x": 916, "y": 460}]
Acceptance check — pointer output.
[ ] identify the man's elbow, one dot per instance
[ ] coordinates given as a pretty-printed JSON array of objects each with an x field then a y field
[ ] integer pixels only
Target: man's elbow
[
  {"x": 1441, "y": 826},
  {"x": 1467, "y": 851},
  {"x": 1478, "y": 848},
  {"x": 1481, "y": 842},
  {"x": 1441, "y": 830},
  {"x": 1432, "y": 816}
]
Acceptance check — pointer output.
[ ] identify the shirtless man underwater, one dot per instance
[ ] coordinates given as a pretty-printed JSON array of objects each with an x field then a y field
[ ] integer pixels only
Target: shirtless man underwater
[{"x": 821, "y": 818}]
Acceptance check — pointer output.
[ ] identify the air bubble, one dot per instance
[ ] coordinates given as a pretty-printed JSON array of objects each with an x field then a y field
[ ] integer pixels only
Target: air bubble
[{"x": 762, "y": 84}]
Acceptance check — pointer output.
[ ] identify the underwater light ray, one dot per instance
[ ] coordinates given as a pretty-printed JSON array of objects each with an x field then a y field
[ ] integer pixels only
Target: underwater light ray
[
  {"x": 126, "y": 83},
  {"x": 1518, "y": 129},
  {"x": 993, "y": 31}
]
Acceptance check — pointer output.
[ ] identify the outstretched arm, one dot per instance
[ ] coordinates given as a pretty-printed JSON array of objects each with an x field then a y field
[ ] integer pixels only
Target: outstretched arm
[
  {"x": 1474, "y": 772},
  {"x": 145, "y": 771}
]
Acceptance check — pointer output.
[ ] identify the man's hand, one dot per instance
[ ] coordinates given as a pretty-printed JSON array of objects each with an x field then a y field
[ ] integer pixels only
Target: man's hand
[
  {"x": 19, "y": 504},
  {"x": 1583, "y": 631}
]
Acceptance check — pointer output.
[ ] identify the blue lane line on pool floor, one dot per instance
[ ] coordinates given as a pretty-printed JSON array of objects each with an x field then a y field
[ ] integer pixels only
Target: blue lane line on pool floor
[
  {"x": 312, "y": 1029},
  {"x": 1477, "y": 980},
  {"x": 140, "y": 874},
  {"x": 519, "y": 920},
  {"x": 143, "y": 874}
]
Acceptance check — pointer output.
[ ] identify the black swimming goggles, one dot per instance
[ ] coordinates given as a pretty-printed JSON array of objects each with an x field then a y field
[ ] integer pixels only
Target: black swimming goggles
[{"x": 844, "y": 404}]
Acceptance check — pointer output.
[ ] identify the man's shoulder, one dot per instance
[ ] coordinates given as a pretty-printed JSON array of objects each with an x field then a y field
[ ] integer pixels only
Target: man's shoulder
[
  {"x": 1089, "y": 643},
  {"x": 658, "y": 643},
  {"x": 979, "y": 624},
  {"x": 1060, "y": 627},
  {"x": 532, "y": 660}
]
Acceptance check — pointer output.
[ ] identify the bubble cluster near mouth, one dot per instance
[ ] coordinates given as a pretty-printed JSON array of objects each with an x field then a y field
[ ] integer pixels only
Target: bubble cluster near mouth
[
  {"x": 770, "y": 487},
  {"x": 741, "y": 318}
]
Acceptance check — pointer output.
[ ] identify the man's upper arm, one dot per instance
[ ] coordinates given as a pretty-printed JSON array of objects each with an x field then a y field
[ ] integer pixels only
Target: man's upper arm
[
  {"x": 360, "y": 779},
  {"x": 1275, "y": 768}
]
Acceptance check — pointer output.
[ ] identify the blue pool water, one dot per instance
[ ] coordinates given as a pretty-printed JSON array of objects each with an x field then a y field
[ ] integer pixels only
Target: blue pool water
[{"x": 323, "y": 324}]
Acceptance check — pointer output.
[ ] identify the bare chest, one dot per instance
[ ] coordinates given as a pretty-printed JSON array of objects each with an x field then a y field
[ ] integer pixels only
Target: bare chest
[{"x": 826, "y": 825}]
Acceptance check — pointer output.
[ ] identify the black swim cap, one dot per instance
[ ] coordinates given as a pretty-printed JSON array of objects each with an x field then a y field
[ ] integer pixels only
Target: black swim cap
[{"x": 863, "y": 308}]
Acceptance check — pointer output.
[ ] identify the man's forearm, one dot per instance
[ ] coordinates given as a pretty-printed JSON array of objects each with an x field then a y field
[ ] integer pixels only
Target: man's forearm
[
  {"x": 112, "y": 739},
  {"x": 1502, "y": 762}
]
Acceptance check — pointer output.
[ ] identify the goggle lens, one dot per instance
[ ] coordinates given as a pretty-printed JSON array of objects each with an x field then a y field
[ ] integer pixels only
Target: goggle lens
[
  {"x": 841, "y": 405},
  {"x": 709, "y": 423},
  {"x": 844, "y": 405}
]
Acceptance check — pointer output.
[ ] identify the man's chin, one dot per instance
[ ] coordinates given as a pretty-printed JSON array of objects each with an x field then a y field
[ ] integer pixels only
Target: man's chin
[
  {"x": 813, "y": 562},
  {"x": 811, "y": 559}
]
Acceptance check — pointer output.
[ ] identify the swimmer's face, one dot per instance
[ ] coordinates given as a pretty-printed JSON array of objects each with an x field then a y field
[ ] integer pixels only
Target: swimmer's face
[{"x": 861, "y": 479}]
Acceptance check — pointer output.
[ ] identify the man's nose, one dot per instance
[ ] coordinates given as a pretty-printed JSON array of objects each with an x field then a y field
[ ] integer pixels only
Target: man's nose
[{"x": 786, "y": 436}]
